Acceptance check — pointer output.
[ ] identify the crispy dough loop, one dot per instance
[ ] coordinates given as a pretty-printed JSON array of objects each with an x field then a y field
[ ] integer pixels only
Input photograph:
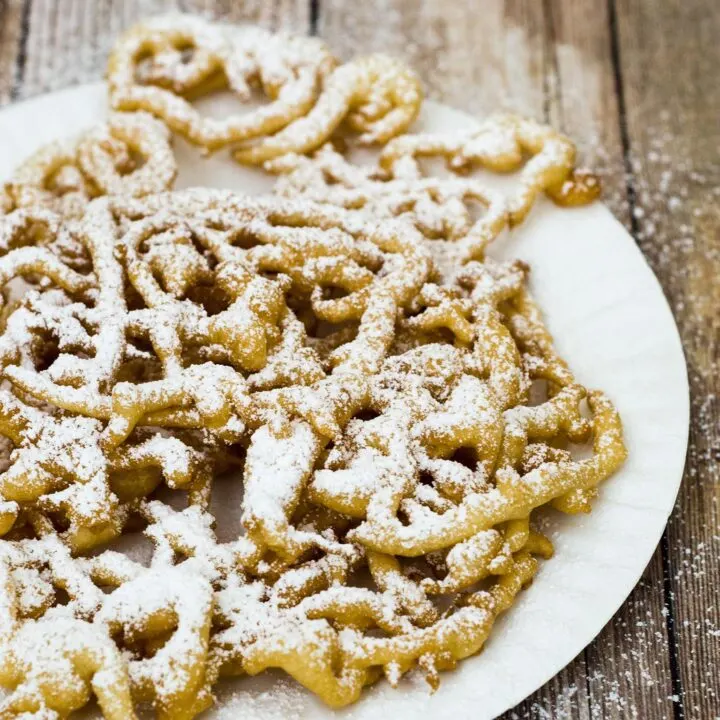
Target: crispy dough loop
[
  {"x": 376, "y": 95},
  {"x": 154, "y": 605},
  {"x": 129, "y": 154},
  {"x": 517, "y": 497},
  {"x": 28, "y": 252},
  {"x": 453, "y": 638},
  {"x": 80, "y": 384},
  {"x": 86, "y": 662},
  {"x": 501, "y": 144},
  {"x": 49, "y": 179},
  {"x": 160, "y": 65},
  {"x": 59, "y": 466},
  {"x": 274, "y": 481},
  {"x": 441, "y": 208}
]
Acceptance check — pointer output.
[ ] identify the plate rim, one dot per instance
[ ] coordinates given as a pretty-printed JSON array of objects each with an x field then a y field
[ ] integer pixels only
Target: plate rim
[{"x": 91, "y": 92}]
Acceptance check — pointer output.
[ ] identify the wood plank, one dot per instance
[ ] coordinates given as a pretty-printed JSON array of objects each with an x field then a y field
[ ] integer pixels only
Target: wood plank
[
  {"x": 583, "y": 100},
  {"x": 68, "y": 40},
  {"x": 11, "y": 18},
  {"x": 477, "y": 58},
  {"x": 669, "y": 58}
]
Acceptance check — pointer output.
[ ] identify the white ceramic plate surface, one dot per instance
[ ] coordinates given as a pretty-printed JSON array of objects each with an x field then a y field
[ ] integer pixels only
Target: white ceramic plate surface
[{"x": 611, "y": 322}]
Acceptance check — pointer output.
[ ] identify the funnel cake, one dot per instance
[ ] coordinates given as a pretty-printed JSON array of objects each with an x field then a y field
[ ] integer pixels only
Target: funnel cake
[
  {"x": 387, "y": 396},
  {"x": 390, "y": 456}
]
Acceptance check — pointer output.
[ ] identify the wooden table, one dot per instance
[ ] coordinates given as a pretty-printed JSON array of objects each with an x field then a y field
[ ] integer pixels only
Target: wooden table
[{"x": 635, "y": 82}]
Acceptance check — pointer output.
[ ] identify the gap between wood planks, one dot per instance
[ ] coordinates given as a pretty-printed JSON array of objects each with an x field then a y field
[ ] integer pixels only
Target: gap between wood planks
[
  {"x": 21, "y": 59},
  {"x": 314, "y": 16}
]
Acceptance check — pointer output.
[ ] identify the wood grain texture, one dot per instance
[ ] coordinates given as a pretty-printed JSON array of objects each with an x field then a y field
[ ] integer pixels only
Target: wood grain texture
[
  {"x": 669, "y": 58},
  {"x": 477, "y": 58},
  {"x": 635, "y": 83},
  {"x": 11, "y": 20}
]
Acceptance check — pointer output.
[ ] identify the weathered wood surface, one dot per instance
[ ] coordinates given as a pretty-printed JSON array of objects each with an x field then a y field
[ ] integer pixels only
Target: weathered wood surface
[
  {"x": 668, "y": 63},
  {"x": 635, "y": 83}
]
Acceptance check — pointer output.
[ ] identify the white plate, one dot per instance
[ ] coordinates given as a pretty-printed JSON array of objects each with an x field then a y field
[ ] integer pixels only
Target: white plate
[{"x": 611, "y": 321}]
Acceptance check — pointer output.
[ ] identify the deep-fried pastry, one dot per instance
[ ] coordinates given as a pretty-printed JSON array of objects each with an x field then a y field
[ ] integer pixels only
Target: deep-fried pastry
[
  {"x": 389, "y": 397},
  {"x": 128, "y": 155},
  {"x": 162, "y": 64}
]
